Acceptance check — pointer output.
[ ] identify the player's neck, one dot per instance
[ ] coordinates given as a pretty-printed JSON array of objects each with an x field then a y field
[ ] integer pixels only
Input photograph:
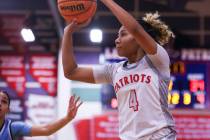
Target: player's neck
[
  {"x": 1, "y": 122},
  {"x": 136, "y": 58}
]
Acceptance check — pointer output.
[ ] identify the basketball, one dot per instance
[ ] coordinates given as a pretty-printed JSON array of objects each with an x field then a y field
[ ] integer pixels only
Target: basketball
[{"x": 81, "y": 10}]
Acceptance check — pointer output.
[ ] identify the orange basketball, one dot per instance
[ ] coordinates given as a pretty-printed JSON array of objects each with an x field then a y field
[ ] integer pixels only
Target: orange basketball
[{"x": 82, "y": 10}]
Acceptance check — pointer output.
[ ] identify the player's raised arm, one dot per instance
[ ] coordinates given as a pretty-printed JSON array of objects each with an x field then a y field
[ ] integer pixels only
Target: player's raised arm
[
  {"x": 148, "y": 32},
  {"x": 146, "y": 42},
  {"x": 71, "y": 70},
  {"x": 51, "y": 128}
]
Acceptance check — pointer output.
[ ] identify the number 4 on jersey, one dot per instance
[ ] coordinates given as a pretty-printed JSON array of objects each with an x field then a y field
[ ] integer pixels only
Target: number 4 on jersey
[{"x": 133, "y": 102}]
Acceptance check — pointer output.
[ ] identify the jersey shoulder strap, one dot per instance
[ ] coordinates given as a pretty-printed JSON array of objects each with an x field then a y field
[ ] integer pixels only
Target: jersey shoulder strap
[{"x": 5, "y": 132}]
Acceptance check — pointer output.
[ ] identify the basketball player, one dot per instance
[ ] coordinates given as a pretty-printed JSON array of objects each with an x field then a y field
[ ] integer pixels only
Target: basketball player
[
  {"x": 140, "y": 82},
  {"x": 12, "y": 130}
]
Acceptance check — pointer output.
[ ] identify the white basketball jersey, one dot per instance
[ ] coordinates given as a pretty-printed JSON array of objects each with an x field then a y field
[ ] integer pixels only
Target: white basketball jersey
[{"x": 141, "y": 91}]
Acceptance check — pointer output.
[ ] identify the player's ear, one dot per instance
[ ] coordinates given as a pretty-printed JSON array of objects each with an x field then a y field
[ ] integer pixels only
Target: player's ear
[{"x": 8, "y": 110}]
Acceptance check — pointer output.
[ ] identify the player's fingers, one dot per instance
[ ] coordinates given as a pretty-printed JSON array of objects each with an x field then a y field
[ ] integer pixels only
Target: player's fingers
[
  {"x": 79, "y": 104},
  {"x": 77, "y": 99},
  {"x": 71, "y": 99},
  {"x": 71, "y": 26}
]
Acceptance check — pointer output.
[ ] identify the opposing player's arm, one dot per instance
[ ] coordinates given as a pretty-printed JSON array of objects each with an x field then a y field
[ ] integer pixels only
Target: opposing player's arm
[
  {"x": 146, "y": 42},
  {"x": 20, "y": 129},
  {"x": 71, "y": 70},
  {"x": 46, "y": 130}
]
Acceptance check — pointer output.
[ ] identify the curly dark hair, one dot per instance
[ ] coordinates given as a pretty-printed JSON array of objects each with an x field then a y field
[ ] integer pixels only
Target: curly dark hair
[{"x": 156, "y": 28}]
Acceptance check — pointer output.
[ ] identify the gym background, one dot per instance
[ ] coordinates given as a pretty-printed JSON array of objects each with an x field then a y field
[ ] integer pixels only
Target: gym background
[{"x": 31, "y": 70}]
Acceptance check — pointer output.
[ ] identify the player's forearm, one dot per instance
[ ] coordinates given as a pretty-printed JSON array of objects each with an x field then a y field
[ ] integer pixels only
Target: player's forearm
[
  {"x": 50, "y": 128},
  {"x": 131, "y": 24},
  {"x": 68, "y": 60},
  {"x": 123, "y": 16},
  {"x": 54, "y": 127}
]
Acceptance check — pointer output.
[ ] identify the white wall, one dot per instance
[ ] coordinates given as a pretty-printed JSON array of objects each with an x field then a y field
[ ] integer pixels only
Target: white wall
[
  {"x": 64, "y": 92},
  {"x": 87, "y": 110}
]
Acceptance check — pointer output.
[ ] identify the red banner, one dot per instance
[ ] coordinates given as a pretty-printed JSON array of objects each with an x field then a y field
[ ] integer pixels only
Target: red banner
[
  {"x": 12, "y": 70},
  {"x": 192, "y": 127},
  {"x": 83, "y": 129},
  {"x": 105, "y": 127},
  {"x": 188, "y": 126},
  {"x": 43, "y": 69}
]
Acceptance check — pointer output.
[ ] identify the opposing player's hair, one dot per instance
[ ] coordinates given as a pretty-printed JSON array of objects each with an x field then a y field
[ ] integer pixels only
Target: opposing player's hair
[
  {"x": 7, "y": 94},
  {"x": 156, "y": 28}
]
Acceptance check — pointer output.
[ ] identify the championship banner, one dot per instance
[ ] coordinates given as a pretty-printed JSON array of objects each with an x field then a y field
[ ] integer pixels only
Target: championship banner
[
  {"x": 43, "y": 68},
  {"x": 16, "y": 109},
  {"x": 12, "y": 71},
  {"x": 188, "y": 127},
  {"x": 82, "y": 128},
  {"x": 105, "y": 127},
  {"x": 40, "y": 111},
  {"x": 192, "y": 127}
]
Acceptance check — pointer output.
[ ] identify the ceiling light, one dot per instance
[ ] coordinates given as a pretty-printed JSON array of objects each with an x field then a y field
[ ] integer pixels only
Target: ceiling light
[
  {"x": 96, "y": 36},
  {"x": 27, "y": 35}
]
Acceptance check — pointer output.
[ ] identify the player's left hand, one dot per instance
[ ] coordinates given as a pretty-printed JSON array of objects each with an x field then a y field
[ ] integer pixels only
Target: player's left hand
[{"x": 74, "y": 104}]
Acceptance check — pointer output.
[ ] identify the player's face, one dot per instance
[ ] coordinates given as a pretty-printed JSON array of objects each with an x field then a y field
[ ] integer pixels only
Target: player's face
[
  {"x": 4, "y": 105},
  {"x": 126, "y": 44}
]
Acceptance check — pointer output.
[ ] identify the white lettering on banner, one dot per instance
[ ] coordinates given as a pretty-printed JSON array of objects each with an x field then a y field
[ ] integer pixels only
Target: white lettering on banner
[
  {"x": 39, "y": 105},
  {"x": 192, "y": 127},
  {"x": 11, "y": 72},
  {"x": 43, "y": 73},
  {"x": 43, "y": 62},
  {"x": 11, "y": 58},
  {"x": 106, "y": 127},
  {"x": 15, "y": 79},
  {"x": 16, "y": 106},
  {"x": 43, "y": 66},
  {"x": 107, "y": 124},
  {"x": 112, "y": 118},
  {"x": 195, "y": 54},
  {"x": 49, "y": 59},
  {"x": 16, "y": 109},
  {"x": 11, "y": 65},
  {"x": 106, "y": 135},
  {"x": 41, "y": 109},
  {"x": 42, "y": 105},
  {"x": 19, "y": 87},
  {"x": 11, "y": 62},
  {"x": 188, "y": 126},
  {"x": 46, "y": 79}
]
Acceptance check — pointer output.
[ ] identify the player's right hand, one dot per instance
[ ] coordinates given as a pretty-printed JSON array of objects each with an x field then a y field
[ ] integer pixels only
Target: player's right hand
[
  {"x": 74, "y": 26},
  {"x": 71, "y": 27}
]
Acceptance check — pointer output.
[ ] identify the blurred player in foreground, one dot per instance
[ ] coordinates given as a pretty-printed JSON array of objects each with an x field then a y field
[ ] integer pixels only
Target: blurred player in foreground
[
  {"x": 140, "y": 82},
  {"x": 12, "y": 130}
]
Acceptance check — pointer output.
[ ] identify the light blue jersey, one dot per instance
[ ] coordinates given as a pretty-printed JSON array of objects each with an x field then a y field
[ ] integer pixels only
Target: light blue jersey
[
  {"x": 5, "y": 133},
  {"x": 13, "y": 130}
]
